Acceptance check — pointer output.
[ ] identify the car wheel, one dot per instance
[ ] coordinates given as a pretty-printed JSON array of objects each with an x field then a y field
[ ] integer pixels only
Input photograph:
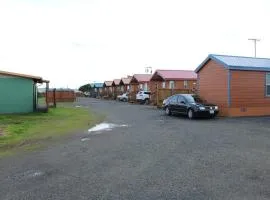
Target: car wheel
[
  {"x": 146, "y": 101},
  {"x": 168, "y": 111},
  {"x": 125, "y": 100},
  {"x": 212, "y": 116},
  {"x": 190, "y": 114}
]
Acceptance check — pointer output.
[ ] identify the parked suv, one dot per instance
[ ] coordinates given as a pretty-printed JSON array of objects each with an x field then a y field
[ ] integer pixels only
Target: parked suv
[
  {"x": 123, "y": 97},
  {"x": 143, "y": 97}
]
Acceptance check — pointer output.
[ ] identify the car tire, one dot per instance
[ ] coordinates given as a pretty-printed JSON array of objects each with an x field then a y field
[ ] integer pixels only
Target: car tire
[
  {"x": 212, "y": 116},
  {"x": 146, "y": 101},
  {"x": 125, "y": 100},
  {"x": 168, "y": 111},
  {"x": 190, "y": 114}
]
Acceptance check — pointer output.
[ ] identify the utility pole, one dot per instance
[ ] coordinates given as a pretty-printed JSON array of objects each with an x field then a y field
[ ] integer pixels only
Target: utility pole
[
  {"x": 148, "y": 69},
  {"x": 255, "y": 40}
]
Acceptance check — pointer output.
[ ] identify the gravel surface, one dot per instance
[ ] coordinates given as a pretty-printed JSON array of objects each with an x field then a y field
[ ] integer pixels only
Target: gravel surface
[{"x": 146, "y": 155}]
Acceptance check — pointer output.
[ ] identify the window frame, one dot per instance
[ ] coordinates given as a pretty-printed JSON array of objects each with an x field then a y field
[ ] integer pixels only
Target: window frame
[
  {"x": 163, "y": 84},
  {"x": 145, "y": 87},
  {"x": 267, "y": 84},
  {"x": 170, "y": 85},
  {"x": 185, "y": 84}
]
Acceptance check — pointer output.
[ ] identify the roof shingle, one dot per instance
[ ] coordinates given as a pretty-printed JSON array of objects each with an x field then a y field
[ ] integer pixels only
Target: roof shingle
[
  {"x": 126, "y": 81},
  {"x": 108, "y": 83},
  {"x": 117, "y": 81},
  {"x": 141, "y": 78},
  {"x": 175, "y": 74}
]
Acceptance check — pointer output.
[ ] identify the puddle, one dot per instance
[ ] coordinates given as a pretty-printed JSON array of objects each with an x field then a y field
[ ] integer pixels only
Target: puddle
[
  {"x": 33, "y": 173},
  {"x": 85, "y": 139},
  {"x": 105, "y": 127},
  {"x": 80, "y": 106},
  {"x": 27, "y": 174}
]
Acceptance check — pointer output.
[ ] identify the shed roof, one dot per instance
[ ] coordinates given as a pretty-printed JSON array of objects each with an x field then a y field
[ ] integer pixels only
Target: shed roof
[
  {"x": 141, "y": 78},
  {"x": 34, "y": 78},
  {"x": 108, "y": 83},
  {"x": 126, "y": 81},
  {"x": 174, "y": 75},
  {"x": 98, "y": 85},
  {"x": 238, "y": 62}
]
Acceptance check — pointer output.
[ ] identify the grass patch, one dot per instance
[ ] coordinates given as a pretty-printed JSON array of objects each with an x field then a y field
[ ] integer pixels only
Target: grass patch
[{"x": 29, "y": 131}]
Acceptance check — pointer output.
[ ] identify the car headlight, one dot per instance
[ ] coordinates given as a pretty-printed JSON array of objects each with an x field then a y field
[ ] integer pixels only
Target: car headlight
[
  {"x": 202, "y": 108},
  {"x": 216, "y": 107}
]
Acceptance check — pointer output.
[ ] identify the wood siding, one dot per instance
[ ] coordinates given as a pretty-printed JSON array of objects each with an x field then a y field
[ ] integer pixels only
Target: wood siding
[
  {"x": 212, "y": 85},
  {"x": 158, "y": 93},
  {"x": 248, "y": 94},
  {"x": 179, "y": 84}
]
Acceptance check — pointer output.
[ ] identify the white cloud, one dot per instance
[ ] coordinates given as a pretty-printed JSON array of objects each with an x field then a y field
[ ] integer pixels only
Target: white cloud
[{"x": 74, "y": 42}]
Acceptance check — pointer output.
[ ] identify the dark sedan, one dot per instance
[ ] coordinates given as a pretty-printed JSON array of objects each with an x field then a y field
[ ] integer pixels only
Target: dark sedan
[{"x": 189, "y": 105}]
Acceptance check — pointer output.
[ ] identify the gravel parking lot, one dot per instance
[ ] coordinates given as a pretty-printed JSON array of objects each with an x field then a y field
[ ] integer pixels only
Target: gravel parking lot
[{"x": 147, "y": 156}]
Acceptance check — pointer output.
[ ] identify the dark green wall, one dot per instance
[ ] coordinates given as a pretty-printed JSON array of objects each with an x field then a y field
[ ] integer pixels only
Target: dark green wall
[{"x": 16, "y": 95}]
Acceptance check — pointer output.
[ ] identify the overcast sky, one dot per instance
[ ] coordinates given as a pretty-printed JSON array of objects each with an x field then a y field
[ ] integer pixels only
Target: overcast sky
[{"x": 72, "y": 42}]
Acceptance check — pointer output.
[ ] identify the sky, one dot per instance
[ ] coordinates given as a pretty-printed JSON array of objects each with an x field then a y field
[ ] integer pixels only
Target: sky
[{"x": 74, "y": 42}]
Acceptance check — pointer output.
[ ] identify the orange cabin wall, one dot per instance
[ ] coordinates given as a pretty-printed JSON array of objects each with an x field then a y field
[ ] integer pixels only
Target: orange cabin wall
[
  {"x": 212, "y": 85},
  {"x": 248, "y": 94}
]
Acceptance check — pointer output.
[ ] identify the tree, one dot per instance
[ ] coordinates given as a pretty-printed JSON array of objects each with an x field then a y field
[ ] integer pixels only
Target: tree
[{"x": 85, "y": 88}]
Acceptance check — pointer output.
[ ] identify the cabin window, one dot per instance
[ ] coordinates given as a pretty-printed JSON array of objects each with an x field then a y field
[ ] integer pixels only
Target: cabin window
[
  {"x": 171, "y": 84},
  {"x": 145, "y": 87},
  {"x": 185, "y": 84},
  {"x": 163, "y": 84},
  {"x": 128, "y": 87},
  {"x": 267, "y": 84},
  {"x": 141, "y": 86}
]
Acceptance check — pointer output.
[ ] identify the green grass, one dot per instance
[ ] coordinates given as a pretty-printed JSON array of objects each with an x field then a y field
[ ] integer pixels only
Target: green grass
[{"x": 30, "y": 131}]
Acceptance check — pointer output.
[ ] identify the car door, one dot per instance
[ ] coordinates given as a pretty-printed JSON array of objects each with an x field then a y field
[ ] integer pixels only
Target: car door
[
  {"x": 140, "y": 95},
  {"x": 181, "y": 104},
  {"x": 173, "y": 103}
]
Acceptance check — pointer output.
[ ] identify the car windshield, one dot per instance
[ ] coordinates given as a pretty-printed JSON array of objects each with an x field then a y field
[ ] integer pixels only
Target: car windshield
[
  {"x": 189, "y": 99},
  {"x": 193, "y": 99},
  {"x": 197, "y": 99}
]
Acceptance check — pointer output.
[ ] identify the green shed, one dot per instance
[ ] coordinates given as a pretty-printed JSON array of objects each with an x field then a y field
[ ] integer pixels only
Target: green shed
[{"x": 18, "y": 92}]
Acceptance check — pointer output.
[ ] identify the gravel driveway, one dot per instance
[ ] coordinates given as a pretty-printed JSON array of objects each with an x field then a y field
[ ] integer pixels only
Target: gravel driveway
[{"x": 146, "y": 155}]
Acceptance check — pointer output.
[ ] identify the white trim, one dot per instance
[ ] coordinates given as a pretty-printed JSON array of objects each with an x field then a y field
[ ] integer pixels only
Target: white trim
[{"x": 267, "y": 83}]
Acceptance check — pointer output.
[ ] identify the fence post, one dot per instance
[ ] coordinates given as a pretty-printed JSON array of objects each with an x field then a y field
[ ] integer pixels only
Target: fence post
[
  {"x": 54, "y": 98},
  {"x": 157, "y": 93},
  {"x": 47, "y": 94}
]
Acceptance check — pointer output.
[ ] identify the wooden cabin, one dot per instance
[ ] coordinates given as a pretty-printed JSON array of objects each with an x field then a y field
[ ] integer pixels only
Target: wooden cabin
[
  {"x": 165, "y": 83},
  {"x": 226, "y": 81},
  {"x": 108, "y": 89}
]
